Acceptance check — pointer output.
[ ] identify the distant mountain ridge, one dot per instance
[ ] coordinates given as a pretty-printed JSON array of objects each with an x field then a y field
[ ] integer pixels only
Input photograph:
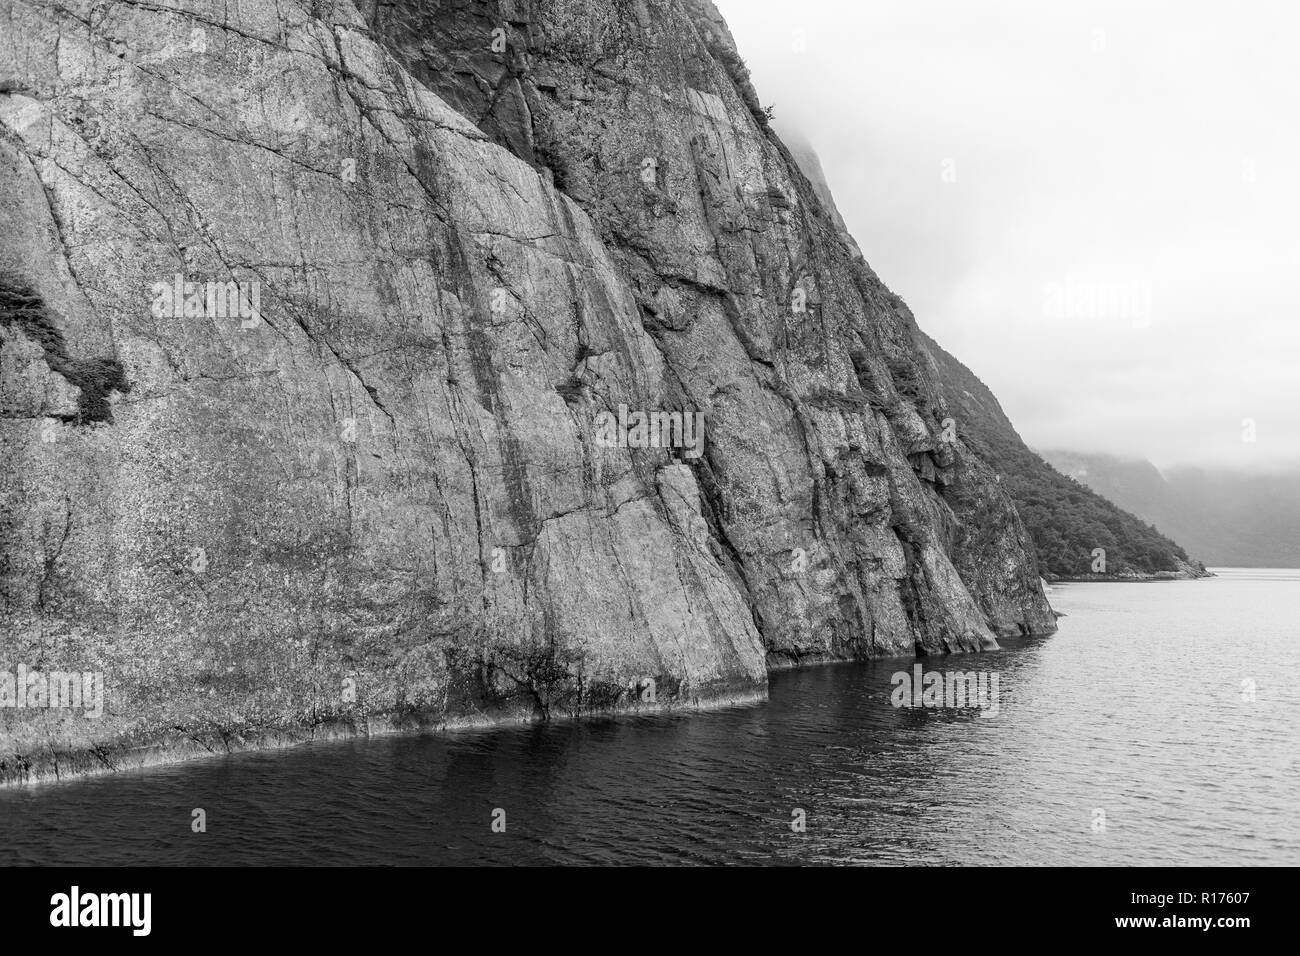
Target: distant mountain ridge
[{"x": 1227, "y": 517}]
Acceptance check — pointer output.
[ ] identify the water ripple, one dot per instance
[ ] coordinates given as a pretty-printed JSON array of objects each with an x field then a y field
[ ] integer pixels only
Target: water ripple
[{"x": 1128, "y": 738}]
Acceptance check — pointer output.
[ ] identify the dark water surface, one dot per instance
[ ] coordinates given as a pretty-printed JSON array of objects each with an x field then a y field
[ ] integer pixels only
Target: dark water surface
[{"x": 1139, "y": 708}]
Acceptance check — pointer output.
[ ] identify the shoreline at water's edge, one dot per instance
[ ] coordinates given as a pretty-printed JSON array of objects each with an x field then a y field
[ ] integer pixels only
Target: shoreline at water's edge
[
  {"x": 169, "y": 748},
  {"x": 1157, "y": 577}
]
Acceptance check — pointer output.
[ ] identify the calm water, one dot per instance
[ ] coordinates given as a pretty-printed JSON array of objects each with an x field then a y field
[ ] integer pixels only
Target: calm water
[{"x": 1135, "y": 708}]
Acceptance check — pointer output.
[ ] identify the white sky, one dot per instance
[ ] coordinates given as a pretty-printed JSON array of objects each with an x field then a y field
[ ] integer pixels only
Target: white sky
[{"x": 1095, "y": 206}]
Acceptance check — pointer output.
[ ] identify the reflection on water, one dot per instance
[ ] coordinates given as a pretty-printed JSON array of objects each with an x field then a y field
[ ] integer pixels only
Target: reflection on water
[{"x": 1160, "y": 725}]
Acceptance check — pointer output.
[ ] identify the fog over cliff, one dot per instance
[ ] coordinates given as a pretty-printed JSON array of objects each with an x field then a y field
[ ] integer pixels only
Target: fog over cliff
[{"x": 1094, "y": 207}]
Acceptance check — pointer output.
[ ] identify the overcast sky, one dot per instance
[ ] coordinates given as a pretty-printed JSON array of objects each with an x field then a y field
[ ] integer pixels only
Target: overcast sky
[{"x": 1096, "y": 208}]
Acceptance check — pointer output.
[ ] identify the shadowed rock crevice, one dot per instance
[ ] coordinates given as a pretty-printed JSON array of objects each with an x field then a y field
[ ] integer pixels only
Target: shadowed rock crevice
[{"x": 22, "y": 309}]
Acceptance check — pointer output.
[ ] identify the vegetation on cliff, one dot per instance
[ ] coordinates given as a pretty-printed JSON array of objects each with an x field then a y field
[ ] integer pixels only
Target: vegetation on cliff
[{"x": 1068, "y": 521}]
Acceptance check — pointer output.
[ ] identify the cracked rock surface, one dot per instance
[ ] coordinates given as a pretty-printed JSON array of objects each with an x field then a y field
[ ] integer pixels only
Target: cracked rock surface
[{"x": 379, "y": 502}]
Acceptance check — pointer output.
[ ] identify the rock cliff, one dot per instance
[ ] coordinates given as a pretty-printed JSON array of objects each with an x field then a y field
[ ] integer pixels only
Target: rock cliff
[
  {"x": 1064, "y": 520},
  {"x": 313, "y": 321}
]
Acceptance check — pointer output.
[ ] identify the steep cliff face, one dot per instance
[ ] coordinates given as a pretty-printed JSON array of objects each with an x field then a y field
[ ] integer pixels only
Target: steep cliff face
[
  {"x": 764, "y": 311},
  {"x": 992, "y": 547},
  {"x": 376, "y": 489}
]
